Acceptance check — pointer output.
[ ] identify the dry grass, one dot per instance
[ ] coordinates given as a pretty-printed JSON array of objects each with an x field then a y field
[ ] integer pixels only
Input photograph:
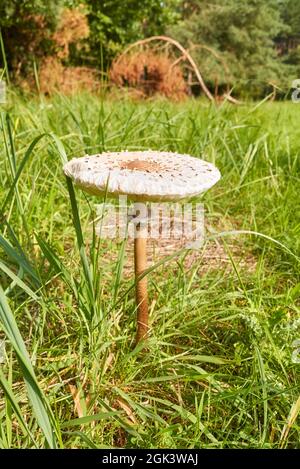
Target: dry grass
[
  {"x": 150, "y": 73},
  {"x": 212, "y": 255},
  {"x": 72, "y": 28},
  {"x": 54, "y": 76}
]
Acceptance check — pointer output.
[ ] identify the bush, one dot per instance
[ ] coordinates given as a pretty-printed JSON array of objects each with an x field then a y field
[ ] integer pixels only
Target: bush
[
  {"x": 27, "y": 29},
  {"x": 150, "y": 73}
]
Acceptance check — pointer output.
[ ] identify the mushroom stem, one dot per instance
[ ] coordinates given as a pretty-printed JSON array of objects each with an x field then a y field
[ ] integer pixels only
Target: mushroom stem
[{"x": 141, "y": 294}]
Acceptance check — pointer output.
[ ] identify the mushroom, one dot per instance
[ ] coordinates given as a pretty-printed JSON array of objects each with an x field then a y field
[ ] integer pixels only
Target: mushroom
[{"x": 142, "y": 176}]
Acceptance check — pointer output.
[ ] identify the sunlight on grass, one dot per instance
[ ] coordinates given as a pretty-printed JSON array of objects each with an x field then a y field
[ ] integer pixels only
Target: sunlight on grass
[{"x": 218, "y": 372}]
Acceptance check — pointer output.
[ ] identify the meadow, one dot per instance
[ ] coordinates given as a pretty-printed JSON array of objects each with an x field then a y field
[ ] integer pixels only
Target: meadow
[{"x": 221, "y": 366}]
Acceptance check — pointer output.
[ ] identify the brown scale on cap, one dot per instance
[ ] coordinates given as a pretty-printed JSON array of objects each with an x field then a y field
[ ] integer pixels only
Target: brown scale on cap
[{"x": 141, "y": 165}]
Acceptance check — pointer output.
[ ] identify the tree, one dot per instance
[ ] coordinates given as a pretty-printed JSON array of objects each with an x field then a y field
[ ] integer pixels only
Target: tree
[
  {"x": 290, "y": 14},
  {"x": 26, "y": 28},
  {"x": 288, "y": 40},
  {"x": 242, "y": 32},
  {"x": 116, "y": 23},
  {"x": 259, "y": 40}
]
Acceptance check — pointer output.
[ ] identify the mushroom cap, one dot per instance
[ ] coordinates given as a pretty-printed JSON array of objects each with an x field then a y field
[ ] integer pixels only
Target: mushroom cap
[{"x": 143, "y": 175}]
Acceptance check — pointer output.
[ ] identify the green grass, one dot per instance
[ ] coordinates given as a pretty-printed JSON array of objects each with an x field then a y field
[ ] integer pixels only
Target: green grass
[{"x": 218, "y": 372}]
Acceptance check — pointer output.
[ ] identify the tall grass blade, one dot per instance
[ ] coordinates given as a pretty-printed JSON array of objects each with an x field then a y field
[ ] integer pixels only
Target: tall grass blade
[
  {"x": 38, "y": 401},
  {"x": 4, "y": 58},
  {"x": 6, "y": 387}
]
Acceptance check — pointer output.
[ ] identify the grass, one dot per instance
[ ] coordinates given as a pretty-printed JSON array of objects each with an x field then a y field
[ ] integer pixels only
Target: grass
[{"x": 219, "y": 371}]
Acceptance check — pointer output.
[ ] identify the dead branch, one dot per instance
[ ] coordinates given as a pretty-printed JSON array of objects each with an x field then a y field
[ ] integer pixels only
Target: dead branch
[{"x": 184, "y": 52}]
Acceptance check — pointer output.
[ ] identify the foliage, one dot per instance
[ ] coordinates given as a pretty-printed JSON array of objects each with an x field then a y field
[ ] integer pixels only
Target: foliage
[
  {"x": 288, "y": 41},
  {"x": 258, "y": 41},
  {"x": 149, "y": 73},
  {"x": 26, "y": 28},
  {"x": 116, "y": 23},
  {"x": 290, "y": 13},
  {"x": 72, "y": 29},
  {"x": 242, "y": 32}
]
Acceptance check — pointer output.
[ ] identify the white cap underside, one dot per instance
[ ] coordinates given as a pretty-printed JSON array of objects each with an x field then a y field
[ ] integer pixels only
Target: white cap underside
[{"x": 171, "y": 176}]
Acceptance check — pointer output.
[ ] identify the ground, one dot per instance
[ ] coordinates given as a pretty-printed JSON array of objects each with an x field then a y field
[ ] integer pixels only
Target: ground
[{"x": 221, "y": 369}]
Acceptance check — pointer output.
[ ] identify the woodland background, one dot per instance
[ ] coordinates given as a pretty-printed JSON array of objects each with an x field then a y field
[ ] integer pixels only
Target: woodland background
[{"x": 64, "y": 41}]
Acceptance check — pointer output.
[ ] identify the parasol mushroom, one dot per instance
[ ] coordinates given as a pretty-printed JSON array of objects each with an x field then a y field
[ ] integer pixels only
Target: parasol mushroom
[{"x": 142, "y": 176}]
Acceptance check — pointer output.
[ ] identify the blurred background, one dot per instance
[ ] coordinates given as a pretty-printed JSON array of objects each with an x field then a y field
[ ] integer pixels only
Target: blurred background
[{"x": 245, "y": 48}]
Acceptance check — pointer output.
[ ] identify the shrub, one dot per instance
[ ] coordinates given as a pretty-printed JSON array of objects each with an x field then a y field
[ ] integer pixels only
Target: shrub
[{"x": 150, "y": 73}]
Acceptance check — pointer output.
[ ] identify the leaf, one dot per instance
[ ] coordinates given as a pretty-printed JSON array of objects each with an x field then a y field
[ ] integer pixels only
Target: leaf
[
  {"x": 294, "y": 412},
  {"x": 20, "y": 260},
  {"x": 38, "y": 401},
  {"x": 76, "y": 398},
  {"x": 18, "y": 281},
  {"x": 90, "y": 418},
  {"x": 14, "y": 403}
]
